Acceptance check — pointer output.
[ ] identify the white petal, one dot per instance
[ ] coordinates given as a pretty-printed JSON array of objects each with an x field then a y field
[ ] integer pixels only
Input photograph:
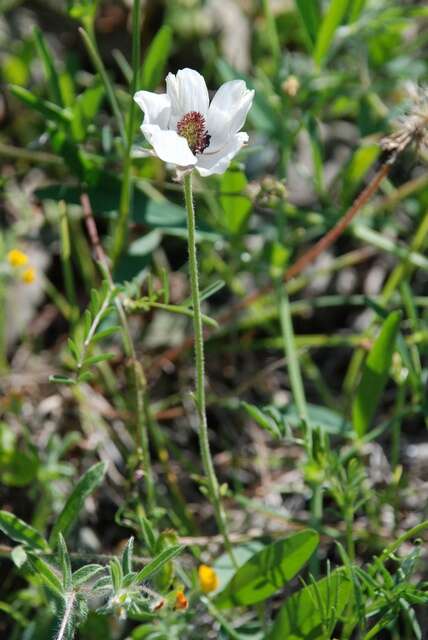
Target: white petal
[
  {"x": 228, "y": 111},
  {"x": 187, "y": 92},
  {"x": 218, "y": 162},
  {"x": 156, "y": 107},
  {"x": 169, "y": 146}
]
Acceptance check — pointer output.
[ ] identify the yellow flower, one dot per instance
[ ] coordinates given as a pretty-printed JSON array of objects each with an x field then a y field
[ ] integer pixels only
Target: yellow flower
[
  {"x": 208, "y": 579},
  {"x": 17, "y": 258},
  {"x": 181, "y": 601},
  {"x": 29, "y": 275}
]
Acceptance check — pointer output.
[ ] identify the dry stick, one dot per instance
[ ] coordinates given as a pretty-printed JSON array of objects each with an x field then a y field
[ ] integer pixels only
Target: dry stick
[
  {"x": 142, "y": 401},
  {"x": 301, "y": 263}
]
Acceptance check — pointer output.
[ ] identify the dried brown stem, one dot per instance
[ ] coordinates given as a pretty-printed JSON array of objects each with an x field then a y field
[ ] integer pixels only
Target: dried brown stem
[{"x": 92, "y": 230}]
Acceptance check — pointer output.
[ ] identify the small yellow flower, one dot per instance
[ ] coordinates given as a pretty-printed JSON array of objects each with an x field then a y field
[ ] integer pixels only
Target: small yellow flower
[
  {"x": 17, "y": 258},
  {"x": 208, "y": 579},
  {"x": 181, "y": 601},
  {"x": 29, "y": 275}
]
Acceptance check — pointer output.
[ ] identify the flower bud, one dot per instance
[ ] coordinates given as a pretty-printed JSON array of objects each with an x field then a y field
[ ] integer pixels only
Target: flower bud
[
  {"x": 291, "y": 86},
  {"x": 181, "y": 602},
  {"x": 208, "y": 579}
]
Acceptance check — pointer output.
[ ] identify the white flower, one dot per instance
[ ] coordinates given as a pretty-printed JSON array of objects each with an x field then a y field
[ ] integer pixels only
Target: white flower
[{"x": 186, "y": 130}]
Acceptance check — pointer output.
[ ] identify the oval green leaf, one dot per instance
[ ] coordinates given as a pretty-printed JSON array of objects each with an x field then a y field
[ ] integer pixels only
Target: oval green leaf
[{"x": 268, "y": 570}]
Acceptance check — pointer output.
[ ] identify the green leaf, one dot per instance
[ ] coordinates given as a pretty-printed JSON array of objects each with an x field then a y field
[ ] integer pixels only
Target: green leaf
[
  {"x": 211, "y": 289},
  {"x": 127, "y": 556},
  {"x": 226, "y": 569},
  {"x": 148, "y": 532},
  {"x": 86, "y": 573},
  {"x": 146, "y": 244},
  {"x": 116, "y": 574},
  {"x": 11, "y": 610},
  {"x": 206, "y": 293},
  {"x": 108, "y": 85},
  {"x": 61, "y": 380},
  {"x": 102, "y": 584},
  {"x": 236, "y": 205},
  {"x": 47, "y": 109},
  {"x": 49, "y": 67},
  {"x": 328, "y": 420},
  {"x": 105, "y": 333},
  {"x": 64, "y": 560},
  {"x": 355, "y": 9},
  {"x": 102, "y": 357},
  {"x": 154, "y": 565},
  {"x": 301, "y": 617},
  {"x": 156, "y": 58},
  {"x": 73, "y": 349},
  {"x": 314, "y": 132},
  {"x": 18, "y": 468},
  {"x": 88, "y": 103},
  {"x": 264, "y": 420},
  {"x": 375, "y": 375},
  {"x": 15, "y": 70},
  {"x": 148, "y": 632},
  {"x": 46, "y": 574},
  {"x": 20, "y": 531},
  {"x": 332, "y": 19},
  {"x": 86, "y": 485},
  {"x": 268, "y": 570},
  {"x": 308, "y": 11},
  {"x": 357, "y": 168}
]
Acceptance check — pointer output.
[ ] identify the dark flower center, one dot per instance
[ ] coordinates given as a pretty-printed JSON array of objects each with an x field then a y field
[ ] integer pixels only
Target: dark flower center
[{"x": 192, "y": 126}]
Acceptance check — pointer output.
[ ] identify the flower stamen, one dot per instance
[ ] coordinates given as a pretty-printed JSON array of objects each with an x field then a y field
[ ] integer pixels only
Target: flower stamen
[{"x": 192, "y": 126}]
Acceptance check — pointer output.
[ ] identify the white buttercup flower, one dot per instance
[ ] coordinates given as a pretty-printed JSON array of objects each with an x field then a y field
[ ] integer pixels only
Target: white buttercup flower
[{"x": 185, "y": 129}]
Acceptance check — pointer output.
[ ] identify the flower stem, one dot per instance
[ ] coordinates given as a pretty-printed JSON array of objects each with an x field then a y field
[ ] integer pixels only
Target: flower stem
[{"x": 207, "y": 462}]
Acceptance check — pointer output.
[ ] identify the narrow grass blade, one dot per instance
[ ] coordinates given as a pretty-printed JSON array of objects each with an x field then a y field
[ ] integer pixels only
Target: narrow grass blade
[
  {"x": 99, "y": 66},
  {"x": 332, "y": 19},
  {"x": 375, "y": 375}
]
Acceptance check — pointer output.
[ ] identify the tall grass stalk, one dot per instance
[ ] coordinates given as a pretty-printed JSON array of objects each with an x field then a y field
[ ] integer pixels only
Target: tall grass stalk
[
  {"x": 120, "y": 228},
  {"x": 290, "y": 350},
  {"x": 90, "y": 41}
]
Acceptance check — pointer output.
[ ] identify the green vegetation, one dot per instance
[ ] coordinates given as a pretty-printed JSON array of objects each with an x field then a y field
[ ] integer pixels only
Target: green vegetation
[{"x": 272, "y": 484}]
